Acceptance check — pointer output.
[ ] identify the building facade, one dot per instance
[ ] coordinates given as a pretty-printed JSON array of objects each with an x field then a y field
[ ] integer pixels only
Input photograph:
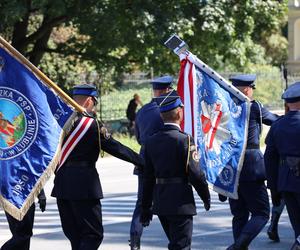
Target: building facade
[{"x": 293, "y": 63}]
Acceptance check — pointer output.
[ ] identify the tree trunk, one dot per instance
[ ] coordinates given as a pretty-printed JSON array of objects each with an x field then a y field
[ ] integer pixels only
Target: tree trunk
[
  {"x": 39, "y": 48},
  {"x": 20, "y": 31},
  {"x": 41, "y": 37}
]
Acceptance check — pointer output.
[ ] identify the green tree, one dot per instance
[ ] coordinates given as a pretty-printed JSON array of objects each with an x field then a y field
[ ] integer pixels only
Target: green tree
[
  {"x": 113, "y": 36},
  {"x": 236, "y": 33}
]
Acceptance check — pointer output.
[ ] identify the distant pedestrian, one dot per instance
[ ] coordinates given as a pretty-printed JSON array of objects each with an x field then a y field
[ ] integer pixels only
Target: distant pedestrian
[{"x": 131, "y": 112}]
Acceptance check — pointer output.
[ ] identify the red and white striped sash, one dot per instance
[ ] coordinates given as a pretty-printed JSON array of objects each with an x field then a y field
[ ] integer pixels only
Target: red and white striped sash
[{"x": 73, "y": 139}]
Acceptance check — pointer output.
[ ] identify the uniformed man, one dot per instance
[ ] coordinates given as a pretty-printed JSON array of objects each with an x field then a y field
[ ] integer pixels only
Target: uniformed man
[
  {"x": 22, "y": 230},
  {"x": 172, "y": 168},
  {"x": 253, "y": 197},
  {"x": 276, "y": 212},
  {"x": 147, "y": 122},
  {"x": 282, "y": 159},
  {"x": 77, "y": 186}
]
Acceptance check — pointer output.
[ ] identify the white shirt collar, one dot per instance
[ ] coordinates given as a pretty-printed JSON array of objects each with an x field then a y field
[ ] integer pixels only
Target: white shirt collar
[{"x": 174, "y": 124}]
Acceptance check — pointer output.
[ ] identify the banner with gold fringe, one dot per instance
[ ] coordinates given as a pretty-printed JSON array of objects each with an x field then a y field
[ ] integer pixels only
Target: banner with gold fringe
[
  {"x": 216, "y": 114},
  {"x": 34, "y": 113}
]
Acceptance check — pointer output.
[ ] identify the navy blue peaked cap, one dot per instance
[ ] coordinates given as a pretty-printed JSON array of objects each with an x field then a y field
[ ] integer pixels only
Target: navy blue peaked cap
[
  {"x": 85, "y": 89},
  {"x": 292, "y": 93},
  {"x": 243, "y": 80},
  {"x": 162, "y": 82},
  {"x": 169, "y": 101}
]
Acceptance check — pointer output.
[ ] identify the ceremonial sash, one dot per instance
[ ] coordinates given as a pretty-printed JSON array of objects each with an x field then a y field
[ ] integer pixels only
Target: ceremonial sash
[{"x": 74, "y": 138}]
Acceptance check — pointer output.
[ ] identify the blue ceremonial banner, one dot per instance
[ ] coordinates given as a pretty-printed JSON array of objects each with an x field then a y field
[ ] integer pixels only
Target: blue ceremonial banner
[
  {"x": 32, "y": 121},
  {"x": 216, "y": 114}
]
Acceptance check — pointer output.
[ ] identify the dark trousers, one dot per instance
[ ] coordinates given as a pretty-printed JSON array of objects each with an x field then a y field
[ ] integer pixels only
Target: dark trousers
[
  {"x": 81, "y": 222},
  {"x": 131, "y": 127},
  {"x": 278, "y": 209},
  {"x": 179, "y": 229},
  {"x": 292, "y": 201},
  {"x": 136, "y": 228},
  {"x": 253, "y": 199},
  {"x": 21, "y": 231}
]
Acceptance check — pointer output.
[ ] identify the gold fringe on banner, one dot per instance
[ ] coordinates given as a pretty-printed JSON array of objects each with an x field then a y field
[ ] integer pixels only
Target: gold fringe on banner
[
  {"x": 7, "y": 206},
  {"x": 20, "y": 213}
]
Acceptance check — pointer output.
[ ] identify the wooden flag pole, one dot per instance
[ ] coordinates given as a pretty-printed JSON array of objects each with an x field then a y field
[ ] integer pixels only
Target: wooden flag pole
[{"x": 40, "y": 74}]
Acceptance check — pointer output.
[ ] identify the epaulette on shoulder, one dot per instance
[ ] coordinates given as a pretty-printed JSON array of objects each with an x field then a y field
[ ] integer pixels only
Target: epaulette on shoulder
[
  {"x": 183, "y": 132},
  {"x": 100, "y": 123},
  {"x": 155, "y": 133},
  {"x": 76, "y": 119},
  {"x": 258, "y": 103},
  {"x": 278, "y": 119}
]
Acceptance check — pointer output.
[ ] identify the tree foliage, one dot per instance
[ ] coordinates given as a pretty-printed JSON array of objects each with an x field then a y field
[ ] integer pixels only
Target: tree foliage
[{"x": 64, "y": 36}]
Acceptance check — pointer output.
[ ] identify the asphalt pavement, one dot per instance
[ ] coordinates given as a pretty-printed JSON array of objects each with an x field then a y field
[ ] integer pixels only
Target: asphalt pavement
[{"x": 212, "y": 230}]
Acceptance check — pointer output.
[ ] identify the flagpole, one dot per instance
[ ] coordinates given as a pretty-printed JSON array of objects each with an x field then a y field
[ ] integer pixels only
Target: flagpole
[
  {"x": 218, "y": 78},
  {"x": 40, "y": 74}
]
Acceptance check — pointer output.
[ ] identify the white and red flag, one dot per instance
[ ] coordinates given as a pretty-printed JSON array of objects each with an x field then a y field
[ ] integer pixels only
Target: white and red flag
[{"x": 216, "y": 115}]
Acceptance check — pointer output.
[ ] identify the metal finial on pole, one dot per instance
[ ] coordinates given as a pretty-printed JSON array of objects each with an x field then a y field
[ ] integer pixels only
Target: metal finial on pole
[{"x": 179, "y": 47}]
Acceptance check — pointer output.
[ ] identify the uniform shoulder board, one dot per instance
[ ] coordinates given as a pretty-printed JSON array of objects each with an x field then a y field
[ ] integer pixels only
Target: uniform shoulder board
[
  {"x": 259, "y": 103},
  {"x": 104, "y": 132},
  {"x": 75, "y": 120},
  {"x": 77, "y": 117},
  {"x": 182, "y": 132},
  {"x": 278, "y": 119}
]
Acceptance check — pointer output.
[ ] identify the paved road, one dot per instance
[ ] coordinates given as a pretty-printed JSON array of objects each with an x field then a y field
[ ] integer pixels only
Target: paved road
[{"x": 212, "y": 230}]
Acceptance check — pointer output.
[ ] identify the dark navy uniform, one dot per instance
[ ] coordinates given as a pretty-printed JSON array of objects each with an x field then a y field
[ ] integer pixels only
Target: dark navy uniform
[
  {"x": 282, "y": 158},
  {"x": 253, "y": 197},
  {"x": 78, "y": 189},
  {"x": 171, "y": 169},
  {"x": 22, "y": 230},
  {"x": 147, "y": 122}
]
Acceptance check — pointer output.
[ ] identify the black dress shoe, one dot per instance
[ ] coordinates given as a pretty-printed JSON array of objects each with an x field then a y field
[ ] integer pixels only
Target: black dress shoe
[
  {"x": 234, "y": 247},
  {"x": 273, "y": 235},
  {"x": 296, "y": 246},
  {"x": 135, "y": 243}
]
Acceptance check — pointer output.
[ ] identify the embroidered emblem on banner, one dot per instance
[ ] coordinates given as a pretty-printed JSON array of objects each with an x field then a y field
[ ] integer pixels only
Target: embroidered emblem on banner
[
  {"x": 18, "y": 123},
  {"x": 214, "y": 126},
  {"x": 226, "y": 176}
]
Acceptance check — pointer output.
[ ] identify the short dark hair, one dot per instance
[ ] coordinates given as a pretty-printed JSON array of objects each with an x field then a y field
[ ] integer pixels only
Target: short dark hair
[{"x": 169, "y": 116}]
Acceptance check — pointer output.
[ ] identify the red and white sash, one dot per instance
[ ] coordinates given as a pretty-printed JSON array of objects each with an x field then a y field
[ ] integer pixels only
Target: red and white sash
[{"x": 73, "y": 139}]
